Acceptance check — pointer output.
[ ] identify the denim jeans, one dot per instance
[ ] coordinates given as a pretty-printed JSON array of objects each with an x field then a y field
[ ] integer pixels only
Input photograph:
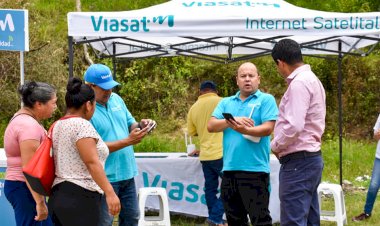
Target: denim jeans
[
  {"x": 129, "y": 213},
  {"x": 299, "y": 180},
  {"x": 23, "y": 204},
  {"x": 373, "y": 187},
  {"x": 212, "y": 170}
]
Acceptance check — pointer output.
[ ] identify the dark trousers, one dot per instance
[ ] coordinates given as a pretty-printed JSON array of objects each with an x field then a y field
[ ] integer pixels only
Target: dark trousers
[
  {"x": 72, "y": 205},
  {"x": 246, "y": 193},
  {"x": 299, "y": 180}
]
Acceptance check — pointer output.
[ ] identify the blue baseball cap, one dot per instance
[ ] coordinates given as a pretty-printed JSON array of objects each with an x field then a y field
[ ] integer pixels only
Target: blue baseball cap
[
  {"x": 100, "y": 75},
  {"x": 208, "y": 85}
]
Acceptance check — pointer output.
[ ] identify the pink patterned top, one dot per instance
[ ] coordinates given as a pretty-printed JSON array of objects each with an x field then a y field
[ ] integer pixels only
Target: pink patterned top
[{"x": 68, "y": 163}]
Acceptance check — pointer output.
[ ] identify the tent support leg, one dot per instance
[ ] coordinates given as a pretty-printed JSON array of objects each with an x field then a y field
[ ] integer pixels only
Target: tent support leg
[
  {"x": 340, "y": 110},
  {"x": 71, "y": 56},
  {"x": 114, "y": 67},
  {"x": 114, "y": 60}
]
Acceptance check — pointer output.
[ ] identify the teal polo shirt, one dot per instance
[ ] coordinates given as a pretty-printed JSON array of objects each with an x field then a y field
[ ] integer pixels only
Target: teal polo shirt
[
  {"x": 239, "y": 153},
  {"x": 112, "y": 122}
]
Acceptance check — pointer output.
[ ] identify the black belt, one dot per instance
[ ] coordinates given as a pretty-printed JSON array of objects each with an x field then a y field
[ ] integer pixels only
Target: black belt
[{"x": 298, "y": 155}]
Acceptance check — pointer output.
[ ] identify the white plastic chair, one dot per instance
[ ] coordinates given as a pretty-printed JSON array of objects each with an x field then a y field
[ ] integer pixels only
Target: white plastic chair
[
  {"x": 163, "y": 219},
  {"x": 339, "y": 213}
]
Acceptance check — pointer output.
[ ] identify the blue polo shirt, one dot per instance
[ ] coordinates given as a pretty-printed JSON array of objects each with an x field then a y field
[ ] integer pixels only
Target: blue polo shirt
[
  {"x": 112, "y": 122},
  {"x": 238, "y": 152}
]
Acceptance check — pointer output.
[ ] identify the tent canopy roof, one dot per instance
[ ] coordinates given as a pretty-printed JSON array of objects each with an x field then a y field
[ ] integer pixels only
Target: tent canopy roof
[{"x": 225, "y": 30}]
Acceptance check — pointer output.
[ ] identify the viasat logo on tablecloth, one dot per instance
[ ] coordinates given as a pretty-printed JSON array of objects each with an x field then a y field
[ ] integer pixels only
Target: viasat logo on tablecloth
[{"x": 176, "y": 190}]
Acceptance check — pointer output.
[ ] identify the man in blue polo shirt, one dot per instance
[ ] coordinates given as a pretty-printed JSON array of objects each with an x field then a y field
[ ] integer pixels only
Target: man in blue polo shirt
[
  {"x": 119, "y": 129},
  {"x": 246, "y": 139}
]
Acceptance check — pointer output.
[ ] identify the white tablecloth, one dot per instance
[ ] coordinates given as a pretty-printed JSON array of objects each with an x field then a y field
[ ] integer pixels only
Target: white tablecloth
[
  {"x": 3, "y": 158},
  {"x": 183, "y": 179}
]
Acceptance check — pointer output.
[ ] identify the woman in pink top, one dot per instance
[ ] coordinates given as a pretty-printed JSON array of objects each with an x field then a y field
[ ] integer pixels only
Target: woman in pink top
[{"x": 22, "y": 137}]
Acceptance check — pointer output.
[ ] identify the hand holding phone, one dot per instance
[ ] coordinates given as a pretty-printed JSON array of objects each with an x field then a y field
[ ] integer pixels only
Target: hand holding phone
[
  {"x": 152, "y": 124},
  {"x": 147, "y": 125},
  {"x": 228, "y": 116}
]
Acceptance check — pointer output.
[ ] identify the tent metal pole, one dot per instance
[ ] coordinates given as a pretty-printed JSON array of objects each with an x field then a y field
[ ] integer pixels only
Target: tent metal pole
[
  {"x": 71, "y": 56},
  {"x": 340, "y": 110},
  {"x": 114, "y": 60},
  {"x": 22, "y": 72},
  {"x": 114, "y": 66}
]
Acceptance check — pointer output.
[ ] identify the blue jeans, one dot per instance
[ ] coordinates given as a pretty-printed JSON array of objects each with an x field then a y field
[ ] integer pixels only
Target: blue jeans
[
  {"x": 212, "y": 170},
  {"x": 373, "y": 187},
  {"x": 299, "y": 180},
  {"x": 24, "y": 206},
  {"x": 129, "y": 213}
]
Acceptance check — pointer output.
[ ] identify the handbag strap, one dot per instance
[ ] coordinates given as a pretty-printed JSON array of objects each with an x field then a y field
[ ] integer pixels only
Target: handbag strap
[
  {"x": 15, "y": 116},
  {"x": 22, "y": 114},
  {"x": 50, "y": 132}
]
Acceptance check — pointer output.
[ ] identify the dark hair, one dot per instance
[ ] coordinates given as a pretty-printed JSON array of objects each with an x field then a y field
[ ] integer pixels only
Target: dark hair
[
  {"x": 287, "y": 50},
  {"x": 78, "y": 93},
  {"x": 31, "y": 92}
]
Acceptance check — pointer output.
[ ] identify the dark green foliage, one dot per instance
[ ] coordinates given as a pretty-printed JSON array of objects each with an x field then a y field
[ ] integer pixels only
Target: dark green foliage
[{"x": 362, "y": 97}]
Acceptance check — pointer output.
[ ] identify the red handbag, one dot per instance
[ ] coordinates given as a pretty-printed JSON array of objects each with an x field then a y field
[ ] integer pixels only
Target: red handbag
[{"x": 40, "y": 170}]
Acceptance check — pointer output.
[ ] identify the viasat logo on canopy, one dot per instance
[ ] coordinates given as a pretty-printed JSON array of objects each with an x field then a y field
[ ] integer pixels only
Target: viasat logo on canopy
[
  {"x": 130, "y": 25},
  {"x": 6, "y": 25}
]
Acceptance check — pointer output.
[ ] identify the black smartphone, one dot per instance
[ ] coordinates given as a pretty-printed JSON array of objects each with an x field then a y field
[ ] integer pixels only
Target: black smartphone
[{"x": 228, "y": 116}]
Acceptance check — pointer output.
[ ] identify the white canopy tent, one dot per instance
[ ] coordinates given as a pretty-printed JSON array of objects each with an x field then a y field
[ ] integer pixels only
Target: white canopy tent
[
  {"x": 207, "y": 28},
  {"x": 223, "y": 31}
]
